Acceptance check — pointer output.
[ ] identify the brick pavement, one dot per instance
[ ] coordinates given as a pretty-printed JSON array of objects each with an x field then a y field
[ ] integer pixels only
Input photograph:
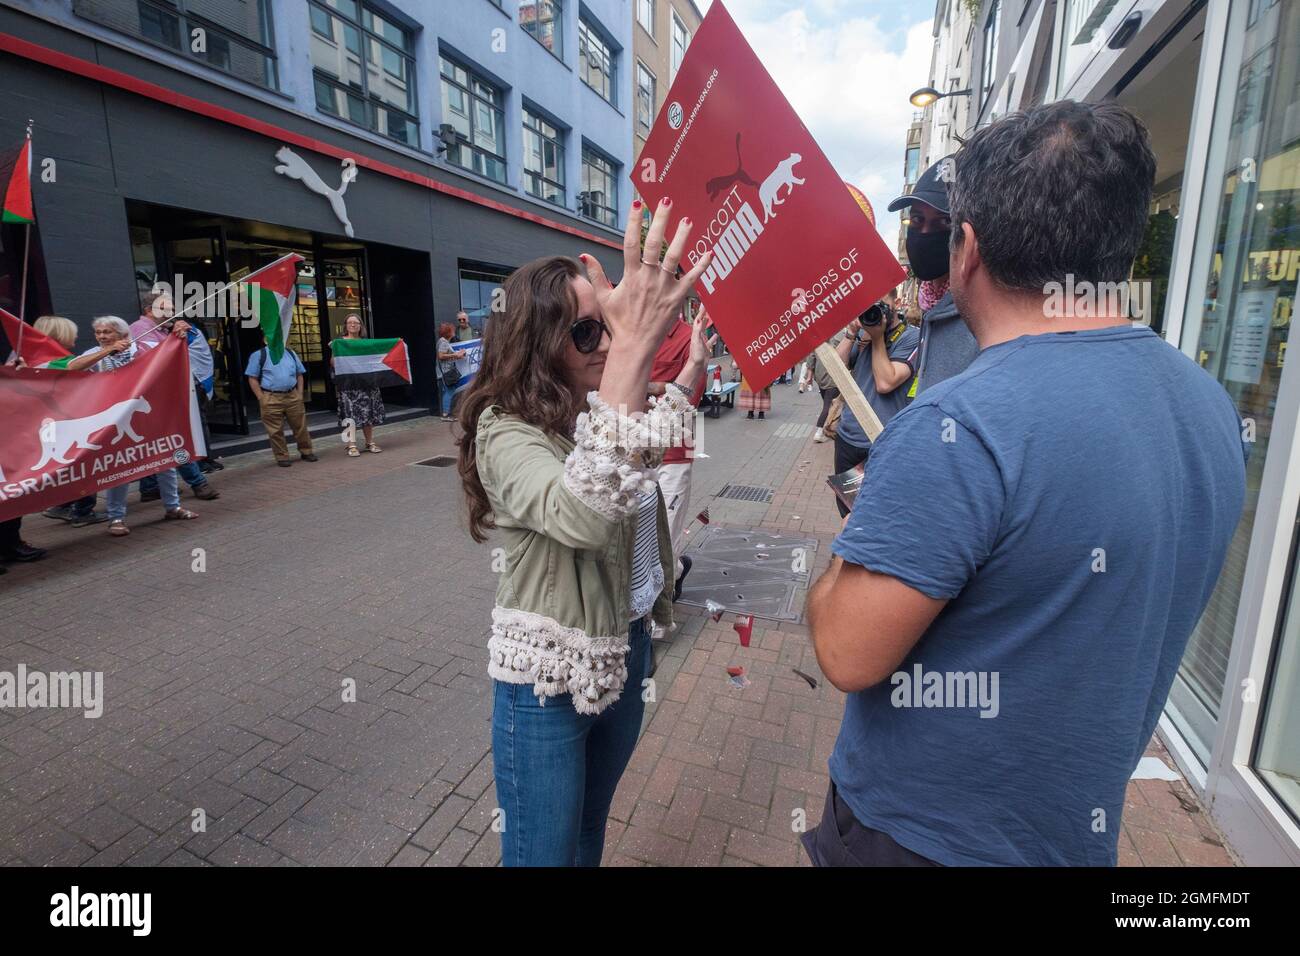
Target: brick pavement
[{"x": 224, "y": 688}]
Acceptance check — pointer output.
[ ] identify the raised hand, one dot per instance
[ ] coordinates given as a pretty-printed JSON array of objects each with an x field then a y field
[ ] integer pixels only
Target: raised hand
[
  {"x": 641, "y": 309},
  {"x": 701, "y": 346}
]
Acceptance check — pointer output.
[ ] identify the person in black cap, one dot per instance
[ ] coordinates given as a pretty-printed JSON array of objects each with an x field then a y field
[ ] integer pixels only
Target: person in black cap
[{"x": 947, "y": 345}]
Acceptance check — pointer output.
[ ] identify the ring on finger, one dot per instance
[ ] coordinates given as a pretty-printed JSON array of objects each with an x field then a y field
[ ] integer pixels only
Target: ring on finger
[{"x": 647, "y": 262}]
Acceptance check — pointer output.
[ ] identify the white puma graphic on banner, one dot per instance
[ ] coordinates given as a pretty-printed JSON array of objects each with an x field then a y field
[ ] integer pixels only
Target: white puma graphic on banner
[
  {"x": 60, "y": 437},
  {"x": 783, "y": 175}
]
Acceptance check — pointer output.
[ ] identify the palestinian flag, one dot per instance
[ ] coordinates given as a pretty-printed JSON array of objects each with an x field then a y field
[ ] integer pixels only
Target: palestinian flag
[
  {"x": 370, "y": 363},
  {"x": 18, "y": 190},
  {"x": 271, "y": 292},
  {"x": 39, "y": 350}
]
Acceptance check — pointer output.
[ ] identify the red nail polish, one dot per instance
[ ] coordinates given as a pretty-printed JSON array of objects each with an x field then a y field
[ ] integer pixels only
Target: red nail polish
[
  {"x": 636, "y": 204},
  {"x": 582, "y": 256},
  {"x": 667, "y": 201}
]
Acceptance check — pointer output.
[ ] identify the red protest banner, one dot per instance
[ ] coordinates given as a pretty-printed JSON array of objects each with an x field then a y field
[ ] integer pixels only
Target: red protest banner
[
  {"x": 69, "y": 434},
  {"x": 794, "y": 259}
]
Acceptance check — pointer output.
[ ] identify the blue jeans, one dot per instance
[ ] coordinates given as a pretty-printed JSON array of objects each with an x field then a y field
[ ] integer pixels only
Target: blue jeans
[
  {"x": 556, "y": 770},
  {"x": 448, "y": 395},
  {"x": 190, "y": 471},
  {"x": 116, "y": 496}
]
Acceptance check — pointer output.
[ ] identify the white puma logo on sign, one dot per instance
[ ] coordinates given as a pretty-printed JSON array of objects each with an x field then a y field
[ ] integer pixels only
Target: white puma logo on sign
[
  {"x": 295, "y": 167},
  {"x": 783, "y": 175},
  {"x": 60, "y": 437}
]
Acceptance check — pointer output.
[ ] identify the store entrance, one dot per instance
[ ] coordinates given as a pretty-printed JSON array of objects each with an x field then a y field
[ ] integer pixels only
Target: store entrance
[
  {"x": 187, "y": 248},
  {"x": 329, "y": 289}
]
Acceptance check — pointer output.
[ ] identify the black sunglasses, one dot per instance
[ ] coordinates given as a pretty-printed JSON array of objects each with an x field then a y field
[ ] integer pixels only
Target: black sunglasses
[{"x": 586, "y": 334}]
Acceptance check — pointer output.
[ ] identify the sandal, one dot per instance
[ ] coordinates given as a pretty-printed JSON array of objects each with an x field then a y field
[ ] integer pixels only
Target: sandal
[
  {"x": 118, "y": 529},
  {"x": 373, "y": 448},
  {"x": 179, "y": 514},
  {"x": 352, "y": 452}
]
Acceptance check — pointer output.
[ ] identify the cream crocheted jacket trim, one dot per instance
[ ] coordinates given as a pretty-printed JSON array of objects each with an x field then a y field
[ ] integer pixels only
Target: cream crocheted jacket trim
[
  {"x": 613, "y": 453},
  {"x": 528, "y": 648},
  {"x": 611, "y": 463}
]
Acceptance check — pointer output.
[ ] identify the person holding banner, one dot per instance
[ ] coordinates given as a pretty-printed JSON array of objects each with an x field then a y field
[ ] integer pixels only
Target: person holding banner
[
  {"x": 550, "y": 457},
  {"x": 156, "y": 322},
  {"x": 448, "y": 373},
  {"x": 464, "y": 331},
  {"x": 362, "y": 406},
  {"x": 81, "y": 512},
  {"x": 116, "y": 350}
]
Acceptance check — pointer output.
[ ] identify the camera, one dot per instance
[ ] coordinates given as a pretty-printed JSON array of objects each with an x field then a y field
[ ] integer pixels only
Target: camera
[{"x": 873, "y": 316}]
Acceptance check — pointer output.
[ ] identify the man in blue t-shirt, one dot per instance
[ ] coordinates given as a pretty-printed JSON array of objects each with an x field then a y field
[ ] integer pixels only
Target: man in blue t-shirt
[
  {"x": 881, "y": 350},
  {"x": 1007, "y": 638}
]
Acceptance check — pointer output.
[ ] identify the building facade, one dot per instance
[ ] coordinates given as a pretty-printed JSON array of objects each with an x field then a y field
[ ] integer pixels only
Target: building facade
[
  {"x": 1218, "y": 85},
  {"x": 663, "y": 31},
  {"x": 414, "y": 152},
  {"x": 950, "y": 65}
]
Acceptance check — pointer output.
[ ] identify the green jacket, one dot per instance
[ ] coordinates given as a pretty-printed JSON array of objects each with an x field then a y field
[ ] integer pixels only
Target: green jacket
[{"x": 566, "y": 510}]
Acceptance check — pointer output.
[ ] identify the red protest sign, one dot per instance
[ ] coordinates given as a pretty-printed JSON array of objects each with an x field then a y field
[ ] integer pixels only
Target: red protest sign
[
  {"x": 69, "y": 434},
  {"x": 794, "y": 258}
]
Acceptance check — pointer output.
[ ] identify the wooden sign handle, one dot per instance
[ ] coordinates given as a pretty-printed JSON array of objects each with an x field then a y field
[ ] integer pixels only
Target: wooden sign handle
[{"x": 849, "y": 391}]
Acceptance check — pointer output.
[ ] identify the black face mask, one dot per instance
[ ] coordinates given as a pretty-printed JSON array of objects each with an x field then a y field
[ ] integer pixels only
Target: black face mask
[{"x": 928, "y": 254}]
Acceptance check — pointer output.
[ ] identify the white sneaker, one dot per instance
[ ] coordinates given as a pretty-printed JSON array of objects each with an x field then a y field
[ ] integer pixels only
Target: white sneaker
[{"x": 819, "y": 435}]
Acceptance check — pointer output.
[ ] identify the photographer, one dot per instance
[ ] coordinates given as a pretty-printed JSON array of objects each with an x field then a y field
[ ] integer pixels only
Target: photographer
[{"x": 880, "y": 351}]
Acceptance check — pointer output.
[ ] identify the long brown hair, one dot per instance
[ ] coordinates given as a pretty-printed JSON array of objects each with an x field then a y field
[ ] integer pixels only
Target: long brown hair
[{"x": 522, "y": 372}]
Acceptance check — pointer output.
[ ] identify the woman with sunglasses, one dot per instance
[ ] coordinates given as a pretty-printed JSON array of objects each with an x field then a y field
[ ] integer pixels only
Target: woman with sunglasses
[{"x": 558, "y": 452}]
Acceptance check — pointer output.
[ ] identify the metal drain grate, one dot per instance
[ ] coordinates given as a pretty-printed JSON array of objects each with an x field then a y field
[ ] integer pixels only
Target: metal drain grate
[
  {"x": 746, "y": 493},
  {"x": 438, "y": 461},
  {"x": 764, "y": 573}
]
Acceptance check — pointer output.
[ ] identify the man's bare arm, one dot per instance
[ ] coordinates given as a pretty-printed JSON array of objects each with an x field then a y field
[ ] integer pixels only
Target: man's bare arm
[{"x": 863, "y": 624}]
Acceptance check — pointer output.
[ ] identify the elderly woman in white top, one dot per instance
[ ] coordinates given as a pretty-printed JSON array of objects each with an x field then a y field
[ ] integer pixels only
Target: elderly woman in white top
[{"x": 116, "y": 349}]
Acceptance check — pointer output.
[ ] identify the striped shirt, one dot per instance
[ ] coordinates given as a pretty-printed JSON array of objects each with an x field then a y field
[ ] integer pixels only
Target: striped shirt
[
  {"x": 647, "y": 570},
  {"x": 112, "y": 360}
]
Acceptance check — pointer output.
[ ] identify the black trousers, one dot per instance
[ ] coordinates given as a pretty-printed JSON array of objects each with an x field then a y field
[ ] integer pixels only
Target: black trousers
[
  {"x": 846, "y": 456},
  {"x": 9, "y": 533},
  {"x": 828, "y": 395},
  {"x": 840, "y": 840}
]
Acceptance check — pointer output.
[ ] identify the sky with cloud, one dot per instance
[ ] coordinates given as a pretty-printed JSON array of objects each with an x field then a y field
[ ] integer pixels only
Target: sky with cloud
[{"x": 847, "y": 68}]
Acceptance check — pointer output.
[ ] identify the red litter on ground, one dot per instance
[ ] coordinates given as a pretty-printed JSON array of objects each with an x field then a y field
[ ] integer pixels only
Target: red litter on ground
[
  {"x": 744, "y": 626},
  {"x": 736, "y": 677}
]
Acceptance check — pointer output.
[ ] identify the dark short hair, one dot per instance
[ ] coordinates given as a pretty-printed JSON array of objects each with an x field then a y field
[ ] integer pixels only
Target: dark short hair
[{"x": 1057, "y": 189}]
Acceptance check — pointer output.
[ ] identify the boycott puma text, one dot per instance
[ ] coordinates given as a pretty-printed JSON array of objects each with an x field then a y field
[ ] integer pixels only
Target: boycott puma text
[{"x": 733, "y": 232}]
